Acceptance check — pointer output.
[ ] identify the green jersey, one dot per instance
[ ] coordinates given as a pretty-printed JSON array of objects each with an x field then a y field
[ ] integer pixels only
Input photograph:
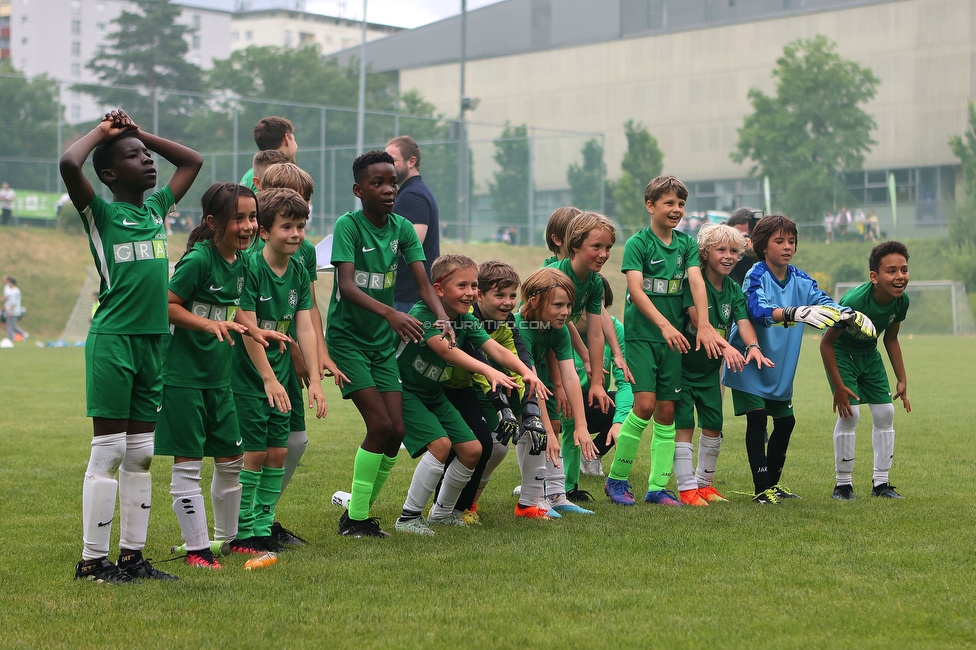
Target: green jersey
[
  {"x": 210, "y": 287},
  {"x": 305, "y": 256},
  {"x": 861, "y": 298},
  {"x": 422, "y": 370},
  {"x": 373, "y": 252},
  {"x": 725, "y": 308},
  {"x": 539, "y": 340},
  {"x": 589, "y": 290},
  {"x": 664, "y": 269},
  {"x": 128, "y": 245},
  {"x": 248, "y": 180},
  {"x": 275, "y": 301}
]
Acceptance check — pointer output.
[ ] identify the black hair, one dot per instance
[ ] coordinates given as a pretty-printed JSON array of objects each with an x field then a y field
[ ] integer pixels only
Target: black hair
[
  {"x": 102, "y": 155},
  {"x": 879, "y": 252},
  {"x": 360, "y": 164},
  {"x": 220, "y": 200},
  {"x": 740, "y": 216}
]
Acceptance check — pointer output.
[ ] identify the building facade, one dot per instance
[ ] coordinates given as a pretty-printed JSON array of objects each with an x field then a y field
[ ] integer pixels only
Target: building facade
[{"x": 290, "y": 28}]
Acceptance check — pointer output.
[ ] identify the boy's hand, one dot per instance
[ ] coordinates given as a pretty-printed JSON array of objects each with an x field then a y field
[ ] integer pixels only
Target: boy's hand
[
  {"x": 316, "y": 400},
  {"x": 553, "y": 450},
  {"x": 613, "y": 433},
  {"x": 674, "y": 339},
  {"x": 755, "y": 354},
  {"x": 562, "y": 401},
  {"x": 535, "y": 388},
  {"x": 301, "y": 370},
  {"x": 709, "y": 339},
  {"x": 901, "y": 391},
  {"x": 842, "y": 402},
  {"x": 115, "y": 123},
  {"x": 598, "y": 395},
  {"x": 447, "y": 332},
  {"x": 331, "y": 370},
  {"x": 621, "y": 363},
  {"x": 222, "y": 329},
  {"x": 583, "y": 440},
  {"x": 264, "y": 337},
  {"x": 497, "y": 378},
  {"x": 734, "y": 360},
  {"x": 277, "y": 395},
  {"x": 406, "y": 326},
  {"x": 819, "y": 316}
]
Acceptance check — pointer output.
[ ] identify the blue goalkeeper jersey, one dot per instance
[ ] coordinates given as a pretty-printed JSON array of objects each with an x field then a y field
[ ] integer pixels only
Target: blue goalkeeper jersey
[{"x": 780, "y": 343}]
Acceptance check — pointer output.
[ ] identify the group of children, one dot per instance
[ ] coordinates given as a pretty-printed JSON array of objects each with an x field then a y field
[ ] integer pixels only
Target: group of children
[{"x": 214, "y": 359}]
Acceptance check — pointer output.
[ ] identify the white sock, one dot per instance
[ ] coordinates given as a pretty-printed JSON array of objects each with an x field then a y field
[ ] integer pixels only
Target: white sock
[
  {"x": 708, "y": 450},
  {"x": 98, "y": 494},
  {"x": 883, "y": 440},
  {"x": 555, "y": 476},
  {"x": 844, "y": 443},
  {"x": 533, "y": 470},
  {"x": 135, "y": 491},
  {"x": 297, "y": 441},
  {"x": 225, "y": 494},
  {"x": 455, "y": 478},
  {"x": 498, "y": 453},
  {"x": 191, "y": 513},
  {"x": 424, "y": 482},
  {"x": 684, "y": 474}
]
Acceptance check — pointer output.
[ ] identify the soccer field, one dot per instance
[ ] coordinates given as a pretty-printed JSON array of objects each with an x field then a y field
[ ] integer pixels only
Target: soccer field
[{"x": 809, "y": 573}]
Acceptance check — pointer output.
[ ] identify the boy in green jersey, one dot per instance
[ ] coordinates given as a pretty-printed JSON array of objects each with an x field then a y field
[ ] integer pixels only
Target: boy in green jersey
[
  {"x": 718, "y": 249},
  {"x": 363, "y": 328},
  {"x": 272, "y": 133},
  {"x": 853, "y": 363},
  {"x": 124, "y": 353},
  {"x": 657, "y": 262},
  {"x": 275, "y": 293},
  {"x": 436, "y": 426}
]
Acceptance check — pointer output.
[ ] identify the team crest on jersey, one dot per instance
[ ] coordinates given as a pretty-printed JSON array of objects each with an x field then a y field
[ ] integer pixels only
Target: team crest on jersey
[
  {"x": 240, "y": 285},
  {"x": 679, "y": 262},
  {"x": 395, "y": 246},
  {"x": 292, "y": 298},
  {"x": 158, "y": 220},
  {"x": 726, "y": 311}
]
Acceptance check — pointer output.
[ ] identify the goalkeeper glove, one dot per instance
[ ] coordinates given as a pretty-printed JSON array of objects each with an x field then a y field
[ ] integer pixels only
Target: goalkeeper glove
[
  {"x": 858, "y": 324},
  {"x": 508, "y": 425},
  {"x": 532, "y": 425},
  {"x": 820, "y": 316}
]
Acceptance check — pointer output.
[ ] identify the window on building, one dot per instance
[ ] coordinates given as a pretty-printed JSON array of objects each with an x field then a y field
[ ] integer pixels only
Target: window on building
[
  {"x": 23, "y": 42},
  {"x": 196, "y": 21},
  {"x": 287, "y": 38},
  {"x": 75, "y": 70},
  {"x": 196, "y": 41},
  {"x": 306, "y": 37},
  {"x": 75, "y": 48},
  {"x": 23, "y": 20},
  {"x": 75, "y": 6},
  {"x": 75, "y": 113},
  {"x": 234, "y": 37},
  {"x": 76, "y": 28},
  {"x": 100, "y": 28},
  {"x": 248, "y": 35}
]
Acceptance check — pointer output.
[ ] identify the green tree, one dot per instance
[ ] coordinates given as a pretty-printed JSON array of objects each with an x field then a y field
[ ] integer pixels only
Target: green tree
[
  {"x": 586, "y": 180},
  {"x": 962, "y": 228},
  {"x": 147, "y": 51},
  {"x": 642, "y": 161},
  {"x": 812, "y": 130},
  {"x": 28, "y": 129},
  {"x": 510, "y": 189}
]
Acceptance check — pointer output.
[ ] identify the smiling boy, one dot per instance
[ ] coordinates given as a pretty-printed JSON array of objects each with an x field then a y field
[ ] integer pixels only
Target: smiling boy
[{"x": 853, "y": 363}]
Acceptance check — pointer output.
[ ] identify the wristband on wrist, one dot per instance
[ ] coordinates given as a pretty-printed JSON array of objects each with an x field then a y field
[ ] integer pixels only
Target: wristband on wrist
[{"x": 751, "y": 346}]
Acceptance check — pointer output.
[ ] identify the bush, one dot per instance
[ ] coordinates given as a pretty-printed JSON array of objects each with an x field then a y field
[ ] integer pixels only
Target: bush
[{"x": 68, "y": 220}]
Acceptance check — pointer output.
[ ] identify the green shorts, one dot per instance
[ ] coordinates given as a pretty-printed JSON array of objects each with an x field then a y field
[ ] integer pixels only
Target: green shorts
[
  {"x": 297, "y": 399},
  {"x": 428, "y": 421},
  {"x": 745, "y": 402},
  {"x": 198, "y": 423},
  {"x": 123, "y": 376},
  {"x": 865, "y": 374},
  {"x": 261, "y": 425},
  {"x": 706, "y": 400},
  {"x": 656, "y": 369},
  {"x": 367, "y": 369}
]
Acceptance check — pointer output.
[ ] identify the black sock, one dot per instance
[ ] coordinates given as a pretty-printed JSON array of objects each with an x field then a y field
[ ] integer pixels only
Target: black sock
[
  {"x": 756, "y": 449},
  {"x": 779, "y": 440}
]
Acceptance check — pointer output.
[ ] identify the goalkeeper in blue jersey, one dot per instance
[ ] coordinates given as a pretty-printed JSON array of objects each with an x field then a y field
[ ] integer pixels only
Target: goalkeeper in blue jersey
[
  {"x": 858, "y": 376},
  {"x": 778, "y": 296}
]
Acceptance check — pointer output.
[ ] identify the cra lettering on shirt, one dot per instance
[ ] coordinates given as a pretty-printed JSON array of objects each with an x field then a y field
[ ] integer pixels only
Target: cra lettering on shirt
[
  {"x": 137, "y": 251},
  {"x": 213, "y": 312},
  {"x": 375, "y": 281},
  {"x": 665, "y": 286},
  {"x": 431, "y": 371}
]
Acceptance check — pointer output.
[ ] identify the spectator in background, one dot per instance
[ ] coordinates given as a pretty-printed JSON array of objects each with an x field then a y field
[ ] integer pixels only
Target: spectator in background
[
  {"x": 7, "y": 197},
  {"x": 828, "y": 224},
  {"x": 740, "y": 220},
  {"x": 843, "y": 221},
  {"x": 874, "y": 228},
  {"x": 860, "y": 223},
  {"x": 416, "y": 204},
  {"x": 12, "y": 308}
]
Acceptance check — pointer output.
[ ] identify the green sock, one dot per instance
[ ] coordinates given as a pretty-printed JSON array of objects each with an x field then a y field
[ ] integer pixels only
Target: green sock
[
  {"x": 245, "y": 518},
  {"x": 662, "y": 457},
  {"x": 266, "y": 498},
  {"x": 628, "y": 440},
  {"x": 383, "y": 473},
  {"x": 571, "y": 455},
  {"x": 364, "y": 471}
]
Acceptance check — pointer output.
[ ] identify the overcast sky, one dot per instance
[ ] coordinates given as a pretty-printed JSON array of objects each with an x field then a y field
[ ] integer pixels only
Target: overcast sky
[{"x": 401, "y": 13}]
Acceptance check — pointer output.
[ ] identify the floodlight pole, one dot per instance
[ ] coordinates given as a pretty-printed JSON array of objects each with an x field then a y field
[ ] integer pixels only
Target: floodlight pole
[
  {"x": 361, "y": 112},
  {"x": 462, "y": 193}
]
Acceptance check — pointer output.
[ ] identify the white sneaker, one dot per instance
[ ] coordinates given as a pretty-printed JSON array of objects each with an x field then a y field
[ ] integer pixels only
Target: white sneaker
[{"x": 592, "y": 467}]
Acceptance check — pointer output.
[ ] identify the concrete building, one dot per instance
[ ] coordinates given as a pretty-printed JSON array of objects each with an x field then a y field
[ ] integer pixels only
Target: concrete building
[
  {"x": 684, "y": 68},
  {"x": 292, "y": 28},
  {"x": 58, "y": 37}
]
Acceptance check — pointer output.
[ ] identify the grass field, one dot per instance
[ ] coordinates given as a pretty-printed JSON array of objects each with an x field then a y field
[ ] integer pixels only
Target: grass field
[{"x": 809, "y": 573}]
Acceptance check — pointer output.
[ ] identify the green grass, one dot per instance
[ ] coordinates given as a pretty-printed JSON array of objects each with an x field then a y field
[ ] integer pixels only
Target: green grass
[{"x": 810, "y": 573}]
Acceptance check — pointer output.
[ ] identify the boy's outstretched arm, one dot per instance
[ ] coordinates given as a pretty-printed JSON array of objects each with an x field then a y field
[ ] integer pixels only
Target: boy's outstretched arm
[
  {"x": 897, "y": 365},
  {"x": 426, "y": 292},
  {"x": 842, "y": 394},
  {"x": 407, "y": 327},
  {"x": 707, "y": 336}
]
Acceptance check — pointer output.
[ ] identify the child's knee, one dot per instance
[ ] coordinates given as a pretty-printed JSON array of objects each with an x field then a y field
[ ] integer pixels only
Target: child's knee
[
  {"x": 440, "y": 449},
  {"x": 469, "y": 453}
]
